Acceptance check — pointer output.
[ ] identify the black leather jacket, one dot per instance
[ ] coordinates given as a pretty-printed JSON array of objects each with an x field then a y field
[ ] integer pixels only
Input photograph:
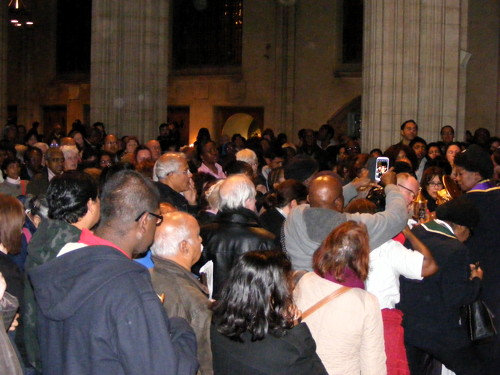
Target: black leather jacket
[{"x": 233, "y": 233}]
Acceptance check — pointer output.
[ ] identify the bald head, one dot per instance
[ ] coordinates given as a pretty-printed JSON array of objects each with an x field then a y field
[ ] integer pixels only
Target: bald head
[
  {"x": 326, "y": 192},
  {"x": 178, "y": 239}
]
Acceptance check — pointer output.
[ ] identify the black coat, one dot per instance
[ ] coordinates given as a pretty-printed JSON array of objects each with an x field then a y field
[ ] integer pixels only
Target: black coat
[
  {"x": 234, "y": 232},
  {"x": 485, "y": 248},
  {"x": 431, "y": 307},
  {"x": 292, "y": 354},
  {"x": 273, "y": 220},
  {"x": 169, "y": 195}
]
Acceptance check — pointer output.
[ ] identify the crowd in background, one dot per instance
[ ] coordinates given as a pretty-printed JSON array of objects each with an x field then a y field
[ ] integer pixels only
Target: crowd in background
[{"x": 285, "y": 226}]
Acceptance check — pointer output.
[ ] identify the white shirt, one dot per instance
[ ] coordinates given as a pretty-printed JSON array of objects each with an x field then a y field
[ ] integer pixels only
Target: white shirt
[{"x": 387, "y": 263}]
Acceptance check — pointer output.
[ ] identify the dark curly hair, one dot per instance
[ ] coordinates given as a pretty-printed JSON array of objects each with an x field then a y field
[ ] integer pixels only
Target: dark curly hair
[
  {"x": 68, "y": 194},
  {"x": 256, "y": 297}
]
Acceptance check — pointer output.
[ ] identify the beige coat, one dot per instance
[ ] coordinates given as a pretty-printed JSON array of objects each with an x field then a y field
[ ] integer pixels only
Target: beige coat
[{"x": 348, "y": 331}]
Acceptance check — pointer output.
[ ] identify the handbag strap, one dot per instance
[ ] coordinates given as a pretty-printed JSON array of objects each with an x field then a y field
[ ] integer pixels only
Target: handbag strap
[{"x": 324, "y": 301}]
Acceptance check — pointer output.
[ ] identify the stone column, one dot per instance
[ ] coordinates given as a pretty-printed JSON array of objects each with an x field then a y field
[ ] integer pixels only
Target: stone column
[
  {"x": 284, "y": 70},
  {"x": 3, "y": 66},
  {"x": 129, "y": 66},
  {"x": 411, "y": 68}
]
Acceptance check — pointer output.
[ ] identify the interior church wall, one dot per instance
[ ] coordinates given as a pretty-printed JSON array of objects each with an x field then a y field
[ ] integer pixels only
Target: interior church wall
[{"x": 482, "y": 108}]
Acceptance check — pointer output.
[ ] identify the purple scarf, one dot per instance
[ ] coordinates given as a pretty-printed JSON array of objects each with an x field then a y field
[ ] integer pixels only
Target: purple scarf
[{"x": 350, "y": 279}]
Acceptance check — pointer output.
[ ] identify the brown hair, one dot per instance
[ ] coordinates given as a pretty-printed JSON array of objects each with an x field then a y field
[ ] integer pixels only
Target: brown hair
[
  {"x": 346, "y": 246},
  {"x": 429, "y": 173},
  {"x": 11, "y": 223},
  {"x": 361, "y": 205}
]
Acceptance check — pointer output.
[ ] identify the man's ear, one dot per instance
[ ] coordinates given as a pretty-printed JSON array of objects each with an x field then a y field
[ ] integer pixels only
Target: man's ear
[
  {"x": 184, "y": 248},
  {"x": 90, "y": 205},
  {"x": 339, "y": 204}
]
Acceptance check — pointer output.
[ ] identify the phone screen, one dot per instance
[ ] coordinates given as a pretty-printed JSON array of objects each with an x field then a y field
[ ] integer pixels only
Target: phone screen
[{"x": 381, "y": 167}]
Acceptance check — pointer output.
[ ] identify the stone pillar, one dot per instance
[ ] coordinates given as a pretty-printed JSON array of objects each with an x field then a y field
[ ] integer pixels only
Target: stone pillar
[
  {"x": 3, "y": 66},
  {"x": 411, "y": 68},
  {"x": 129, "y": 66},
  {"x": 284, "y": 70}
]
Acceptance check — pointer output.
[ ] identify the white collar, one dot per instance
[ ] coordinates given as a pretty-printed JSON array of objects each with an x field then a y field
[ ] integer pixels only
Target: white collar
[{"x": 13, "y": 182}]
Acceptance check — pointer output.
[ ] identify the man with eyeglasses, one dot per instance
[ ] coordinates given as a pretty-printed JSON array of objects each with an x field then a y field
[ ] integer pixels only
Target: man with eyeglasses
[
  {"x": 99, "y": 313},
  {"x": 408, "y": 186},
  {"x": 173, "y": 179}
]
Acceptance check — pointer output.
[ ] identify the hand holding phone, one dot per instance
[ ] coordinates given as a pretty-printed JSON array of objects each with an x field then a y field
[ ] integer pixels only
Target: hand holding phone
[{"x": 381, "y": 166}]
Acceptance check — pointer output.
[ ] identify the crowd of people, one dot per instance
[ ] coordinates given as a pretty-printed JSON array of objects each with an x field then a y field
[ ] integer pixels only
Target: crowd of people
[{"x": 246, "y": 256}]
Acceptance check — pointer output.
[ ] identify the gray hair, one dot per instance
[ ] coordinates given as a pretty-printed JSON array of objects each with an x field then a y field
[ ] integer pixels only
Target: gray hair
[
  {"x": 166, "y": 164},
  {"x": 170, "y": 235},
  {"x": 247, "y": 155},
  {"x": 69, "y": 150},
  {"x": 212, "y": 195},
  {"x": 235, "y": 190}
]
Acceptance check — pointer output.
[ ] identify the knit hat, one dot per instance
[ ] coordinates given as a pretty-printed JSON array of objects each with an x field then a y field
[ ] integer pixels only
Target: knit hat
[
  {"x": 460, "y": 211},
  {"x": 301, "y": 169},
  {"x": 475, "y": 159}
]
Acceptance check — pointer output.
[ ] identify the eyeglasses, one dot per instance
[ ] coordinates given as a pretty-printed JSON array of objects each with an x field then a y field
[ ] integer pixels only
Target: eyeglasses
[
  {"x": 159, "y": 218},
  {"x": 186, "y": 172},
  {"x": 436, "y": 184},
  {"x": 413, "y": 195}
]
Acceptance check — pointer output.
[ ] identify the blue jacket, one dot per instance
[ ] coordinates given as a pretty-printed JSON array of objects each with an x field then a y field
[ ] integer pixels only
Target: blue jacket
[{"x": 99, "y": 314}]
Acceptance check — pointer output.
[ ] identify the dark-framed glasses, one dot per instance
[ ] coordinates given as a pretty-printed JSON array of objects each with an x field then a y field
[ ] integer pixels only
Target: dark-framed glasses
[
  {"x": 159, "y": 218},
  {"x": 413, "y": 194}
]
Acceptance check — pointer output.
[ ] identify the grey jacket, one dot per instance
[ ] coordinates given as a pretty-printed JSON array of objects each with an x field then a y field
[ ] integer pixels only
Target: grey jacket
[
  {"x": 187, "y": 298},
  {"x": 306, "y": 227}
]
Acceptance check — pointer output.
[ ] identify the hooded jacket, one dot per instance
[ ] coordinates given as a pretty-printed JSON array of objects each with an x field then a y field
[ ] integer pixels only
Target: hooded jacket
[{"x": 99, "y": 314}]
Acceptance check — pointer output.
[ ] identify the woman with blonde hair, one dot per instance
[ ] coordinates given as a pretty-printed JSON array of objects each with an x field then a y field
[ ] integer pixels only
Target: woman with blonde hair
[{"x": 348, "y": 329}]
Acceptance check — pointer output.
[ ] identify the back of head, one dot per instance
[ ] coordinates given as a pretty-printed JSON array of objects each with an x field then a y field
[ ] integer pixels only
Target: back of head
[
  {"x": 169, "y": 235},
  {"x": 326, "y": 192},
  {"x": 475, "y": 159},
  {"x": 168, "y": 163},
  {"x": 362, "y": 206},
  {"x": 247, "y": 155},
  {"x": 256, "y": 297},
  {"x": 346, "y": 246},
  {"x": 68, "y": 195},
  {"x": 126, "y": 195},
  {"x": 301, "y": 169},
  {"x": 235, "y": 191},
  {"x": 286, "y": 192},
  {"x": 11, "y": 223},
  {"x": 238, "y": 167}
]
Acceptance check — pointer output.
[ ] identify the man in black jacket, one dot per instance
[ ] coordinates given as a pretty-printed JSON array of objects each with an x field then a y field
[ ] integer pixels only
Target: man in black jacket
[
  {"x": 235, "y": 230},
  {"x": 171, "y": 171},
  {"x": 99, "y": 313}
]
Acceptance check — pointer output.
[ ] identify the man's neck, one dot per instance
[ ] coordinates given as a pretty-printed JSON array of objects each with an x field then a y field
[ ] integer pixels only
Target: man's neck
[{"x": 116, "y": 238}]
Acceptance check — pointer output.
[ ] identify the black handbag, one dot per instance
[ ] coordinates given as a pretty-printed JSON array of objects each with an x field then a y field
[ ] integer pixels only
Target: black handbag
[{"x": 477, "y": 318}]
